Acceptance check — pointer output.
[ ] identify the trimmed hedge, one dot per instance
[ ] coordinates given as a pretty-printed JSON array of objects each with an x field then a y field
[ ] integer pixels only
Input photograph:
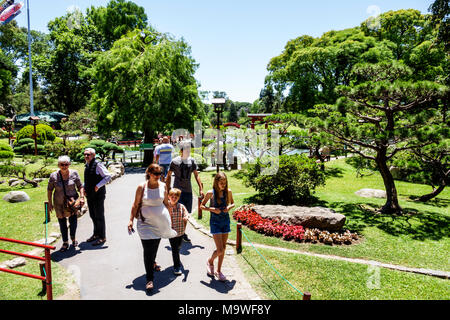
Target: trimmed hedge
[
  {"x": 292, "y": 184},
  {"x": 44, "y": 133}
]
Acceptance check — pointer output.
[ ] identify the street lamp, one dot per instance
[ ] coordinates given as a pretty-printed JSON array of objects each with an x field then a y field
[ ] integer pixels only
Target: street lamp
[
  {"x": 34, "y": 122},
  {"x": 218, "y": 105},
  {"x": 9, "y": 122}
]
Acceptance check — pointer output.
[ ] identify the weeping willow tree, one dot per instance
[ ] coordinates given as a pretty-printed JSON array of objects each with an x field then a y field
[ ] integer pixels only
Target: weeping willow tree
[{"x": 145, "y": 82}]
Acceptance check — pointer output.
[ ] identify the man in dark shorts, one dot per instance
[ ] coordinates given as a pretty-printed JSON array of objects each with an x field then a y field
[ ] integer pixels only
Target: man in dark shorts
[{"x": 183, "y": 166}]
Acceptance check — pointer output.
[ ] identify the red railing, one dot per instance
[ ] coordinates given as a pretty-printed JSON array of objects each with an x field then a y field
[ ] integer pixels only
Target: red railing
[
  {"x": 129, "y": 142},
  {"x": 47, "y": 277}
]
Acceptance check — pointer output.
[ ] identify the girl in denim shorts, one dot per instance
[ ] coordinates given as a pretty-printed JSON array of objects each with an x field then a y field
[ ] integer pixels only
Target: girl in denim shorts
[{"x": 221, "y": 201}]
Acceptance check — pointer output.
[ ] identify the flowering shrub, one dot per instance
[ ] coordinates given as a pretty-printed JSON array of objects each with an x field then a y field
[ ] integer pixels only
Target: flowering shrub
[
  {"x": 250, "y": 218},
  {"x": 267, "y": 226}
]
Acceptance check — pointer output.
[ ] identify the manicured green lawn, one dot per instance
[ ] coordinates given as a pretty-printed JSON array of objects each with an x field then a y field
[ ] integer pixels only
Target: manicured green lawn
[
  {"x": 24, "y": 221},
  {"x": 418, "y": 239},
  {"x": 334, "y": 280},
  {"x": 20, "y": 288}
]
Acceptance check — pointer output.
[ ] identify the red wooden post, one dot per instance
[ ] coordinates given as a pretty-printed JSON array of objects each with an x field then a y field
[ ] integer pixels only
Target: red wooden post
[
  {"x": 307, "y": 296},
  {"x": 48, "y": 273},
  {"x": 238, "y": 238}
]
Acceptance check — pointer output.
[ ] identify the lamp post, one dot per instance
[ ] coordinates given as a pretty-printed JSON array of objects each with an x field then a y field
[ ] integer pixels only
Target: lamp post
[
  {"x": 218, "y": 104},
  {"x": 34, "y": 122},
  {"x": 30, "y": 73},
  {"x": 9, "y": 122}
]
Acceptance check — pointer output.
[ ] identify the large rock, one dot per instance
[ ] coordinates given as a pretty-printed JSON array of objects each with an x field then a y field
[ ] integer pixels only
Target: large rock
[
  {"x": 308, "y": 217},
  {"x": 117, "y": 170},
  {"x": 371, "y": 193},
  {"x": 16, "y": 196}
]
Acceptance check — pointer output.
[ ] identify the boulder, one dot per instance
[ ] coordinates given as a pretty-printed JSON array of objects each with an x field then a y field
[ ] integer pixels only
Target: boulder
[
  {"x": 11, "y": 181},
  {"x": 14, "y": 263},
  {"x": 16, "y": 196},
  {"x": 396, "y": 172},
  {"x": 116, "y": 169},
  {"x": 308, "y": 217},
  {"x": 15, "y": 183},
  {"x": 371, "y": 193}
]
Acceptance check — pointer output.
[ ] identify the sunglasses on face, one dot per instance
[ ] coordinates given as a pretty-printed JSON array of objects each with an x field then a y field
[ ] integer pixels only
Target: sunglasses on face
[
  {"x": 64, "y": 164},
  {"x": 87, "y": 154},
  {"x": 156, "y": 173}
]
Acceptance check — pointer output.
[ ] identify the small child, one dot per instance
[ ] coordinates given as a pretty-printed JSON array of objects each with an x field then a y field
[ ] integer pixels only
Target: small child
[
  {"x": 221, "y": 202},
  {"x": 179, "y": 216}
]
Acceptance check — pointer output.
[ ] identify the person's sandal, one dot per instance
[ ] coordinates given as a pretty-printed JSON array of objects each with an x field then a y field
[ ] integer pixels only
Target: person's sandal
[
  {"x": 220, "y": 276},
  {"x": 99, "y": 242},
  {"x": 64, "y": 247},
  {"x": 75, "y": 243},
  {"x": 209, "y": 269},
  {"x": 92, "y": 239},
  {"x": 156, "y": 267}
]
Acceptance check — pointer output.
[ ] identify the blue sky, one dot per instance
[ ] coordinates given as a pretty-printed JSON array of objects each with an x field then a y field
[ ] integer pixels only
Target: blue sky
[{"x": 233, "y": 41}]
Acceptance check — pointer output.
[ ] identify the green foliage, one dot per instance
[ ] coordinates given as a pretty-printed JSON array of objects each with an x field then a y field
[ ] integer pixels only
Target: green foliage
[
  {"x": 6, "y": 152},
  {"x": 44, "y": 133},
  {"x": 27, "y": 146},
  {"x": 146, "y": 82},
  {"x": 293, "y": 184},
  {"x": 103, "y": 148}
]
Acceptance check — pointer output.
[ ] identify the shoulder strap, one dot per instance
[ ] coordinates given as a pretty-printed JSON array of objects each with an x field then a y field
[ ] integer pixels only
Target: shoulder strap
[
  {"x": 139, "y": 213},
  {"x": 62, "y": 181}
]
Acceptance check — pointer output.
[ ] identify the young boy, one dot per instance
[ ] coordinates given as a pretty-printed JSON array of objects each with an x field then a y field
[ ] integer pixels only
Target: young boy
[{"x": 179, "y": 216}]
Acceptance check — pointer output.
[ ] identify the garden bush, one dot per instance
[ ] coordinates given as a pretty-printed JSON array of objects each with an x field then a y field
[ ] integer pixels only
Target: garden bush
[
  {"x": 293, "y": 183},
  {"x": 6, "y": 152},
  {"x": 26, "y": 146},
  {"x": 103, "y": 148},
  {"x": 44, "y": 132}
]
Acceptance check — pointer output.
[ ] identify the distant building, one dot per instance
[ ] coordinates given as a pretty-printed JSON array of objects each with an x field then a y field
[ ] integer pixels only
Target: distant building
[{"x": 53, "y": 118}]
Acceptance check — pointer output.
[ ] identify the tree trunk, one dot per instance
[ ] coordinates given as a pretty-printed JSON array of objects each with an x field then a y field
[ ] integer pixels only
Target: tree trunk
[
  {"x": 433, "y": 194},
  {"x": 391, "y": 205}
]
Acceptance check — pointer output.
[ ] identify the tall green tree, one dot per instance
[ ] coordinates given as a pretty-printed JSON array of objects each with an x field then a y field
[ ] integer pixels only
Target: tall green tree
[
  {"x": 145, "y": 82},
  {"x": 116, "y": 19},
  {"x": 382, "y": 115}
]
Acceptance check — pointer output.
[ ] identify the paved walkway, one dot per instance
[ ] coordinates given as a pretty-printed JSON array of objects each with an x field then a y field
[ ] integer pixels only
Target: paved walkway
[{"x": 116, "y": 270}]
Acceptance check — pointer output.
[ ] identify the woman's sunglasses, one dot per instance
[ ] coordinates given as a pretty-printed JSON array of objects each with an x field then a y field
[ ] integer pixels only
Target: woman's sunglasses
[{"x": 156, "y": 173}]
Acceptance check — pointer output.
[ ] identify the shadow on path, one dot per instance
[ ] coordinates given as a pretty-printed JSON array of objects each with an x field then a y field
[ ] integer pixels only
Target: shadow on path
[
  {"x": 161, "y": 280},
  {"x": 219, "y": 286}
]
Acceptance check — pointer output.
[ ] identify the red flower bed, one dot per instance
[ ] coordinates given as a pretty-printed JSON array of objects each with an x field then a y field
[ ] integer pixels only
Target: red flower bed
[{"x": 268, "y": 226}]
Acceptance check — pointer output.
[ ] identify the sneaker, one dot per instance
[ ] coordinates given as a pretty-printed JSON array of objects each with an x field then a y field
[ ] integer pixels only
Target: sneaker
[
  {"x": 176, "y": 271},
  {"x": 185, "y": 238}
]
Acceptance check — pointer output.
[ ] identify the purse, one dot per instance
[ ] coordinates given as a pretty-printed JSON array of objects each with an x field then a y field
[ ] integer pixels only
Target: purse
[{"x": 72, "y": 205}]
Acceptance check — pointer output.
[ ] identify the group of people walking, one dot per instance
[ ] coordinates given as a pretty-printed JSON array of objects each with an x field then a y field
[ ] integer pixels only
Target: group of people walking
[
  {"x": 64, "y": 183},
  {"x": 161, "y": 211}
]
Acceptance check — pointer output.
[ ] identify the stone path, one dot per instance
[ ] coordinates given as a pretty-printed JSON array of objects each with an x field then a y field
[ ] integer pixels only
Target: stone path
[{"x": 116, "y": 270}]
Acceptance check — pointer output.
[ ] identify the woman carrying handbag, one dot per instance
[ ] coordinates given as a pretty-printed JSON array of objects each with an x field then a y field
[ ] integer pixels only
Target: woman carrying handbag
[{"x": 63, "y": 185}]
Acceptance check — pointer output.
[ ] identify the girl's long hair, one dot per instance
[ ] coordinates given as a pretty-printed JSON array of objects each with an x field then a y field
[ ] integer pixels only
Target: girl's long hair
[{"x": 218, "y": 177}]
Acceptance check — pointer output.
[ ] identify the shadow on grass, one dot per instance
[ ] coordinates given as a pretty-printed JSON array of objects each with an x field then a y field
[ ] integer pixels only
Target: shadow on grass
[
  {"x": 417, "y": 225},
  {"x": 435, "y": 202},
  {"x": 334, "y": 172}
]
